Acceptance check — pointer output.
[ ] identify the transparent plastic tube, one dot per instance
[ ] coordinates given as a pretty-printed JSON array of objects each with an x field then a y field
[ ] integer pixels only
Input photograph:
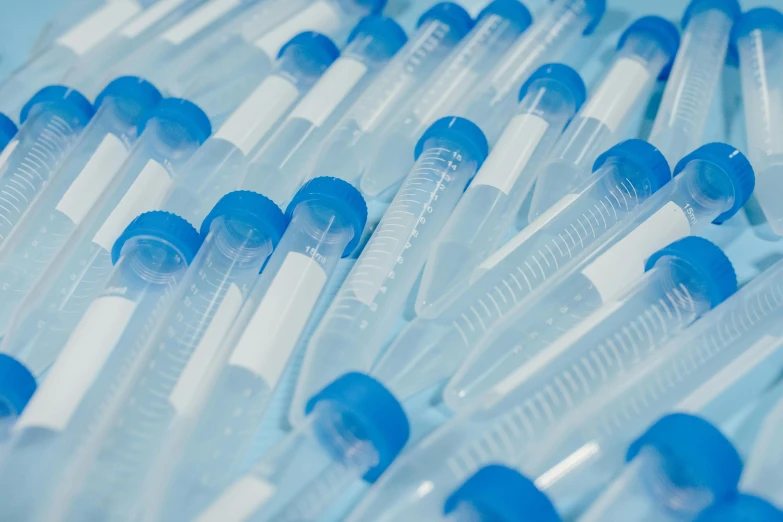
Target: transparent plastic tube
[
  {"x": 342, "y": 441},
  {"x": 40, "y": 313},
  {"x": 113, "y": 462},
  {"x": 352, "y": 333},
  {"x": 221, "y": 163},
  {"x": 763, "y": 473},
  {"x": 52, "y": 121},
  {"x": 51, "y": 66},
  {"x": 557, "y": 29},
  {"x": 645, "y": 52},
  {"x": 70, "y": 14},
  {"x": 230, "y": 71},
  {"x": 151, "y": 258},
  {"x": 77, "y": 184},
  {"x": 521, "y": 409},
  {"x": 553, "y": 271},
  {"x": 483, "y": 216},
  {"x": 348, "y": 148},
  {"x": 327, "y": 218},
  {"x": 497, "y": 28},
  {"x": 760, "y": 42},
  {"x": 685, "y": 107}
]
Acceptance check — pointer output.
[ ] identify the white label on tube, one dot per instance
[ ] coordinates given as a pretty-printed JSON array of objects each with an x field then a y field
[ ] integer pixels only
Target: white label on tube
[
  {"x": 281, "y": 316},
  {"x": 330, "y": 90},
  {"x": 79, "y": 364},
  {"x": 6, "y": 154},
  {"x": 99, "y": 25},
  {"x": 194, "y": 372},
  {"x": 618, "y": 93},
  {"x": 556, "y": 349},
  {"x": 149, "y": 17},
  {"x": 239, "y": 501},
  {"x": 512, "y": 152},
  {"x": 258, "y": 113},
  {"x": 523, "y": 235},
  {"x": 320, "y": 16},
  {"x": 198, "y": 20},
  {"x": 757, "y": 354},
  {"x": 93, "y": 179},
  {"x": 624, "y": 261},
  {"x": 146, "y": 193}
]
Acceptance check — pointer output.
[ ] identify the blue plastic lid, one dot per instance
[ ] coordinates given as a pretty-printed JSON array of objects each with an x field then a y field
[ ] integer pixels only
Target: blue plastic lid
[
  {"x": 386, "y": 35},
  {"x": 659, "y": 29},
  {"x": 713, "y": 271},
  {"x": 741, "y": 508},
  {"x": 762, "y": 18},
  {"x": 133, "y": 89},
  {"x": 450, "y": 14},
  {"x": 373, "y": 6},
  {"x": 187, "y": 114},
  {"x": 17, "y": 385},
  {"x": 371, "y": 412},
  {"x": 162, "y": 225},
  {"x": 8, "y": 130},
  {"x": 512, "y": 10},
  {"x": 503, "y": 494},
  {"x": 312, "y": 52},
  {"x": 595, "y": 9},
  {"x": 251, "y": 208},
  {"x": 562, "y": 74},
  {"x": 649, "y": 160},
  {"x": 734, "y": 164},
  {"x": 694, "y": 452},
  {"x": 461, "y": 131},
  {"x": 340, "y": 196},
  {"x": 63, "y": 97},
  {"x": 730, "y": 7}
]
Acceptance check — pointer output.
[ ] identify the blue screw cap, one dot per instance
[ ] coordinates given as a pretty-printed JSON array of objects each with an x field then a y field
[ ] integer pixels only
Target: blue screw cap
[
  {"x": 649, "y": 160},
  {"x": 562, "y": 74},
  {"x": 187, "y": 115},
  {"x": 659, "y": 29},
  {"x": 761, "y": 18},
  {"x": 503, "y": 494},
  {"x": 734, "y": 164},
  {"x": 694, "y": 452},
  {"x": 372, "y": 6},
  {"x": 595, "y": 9},
  {"x": 450, "y": 14},
  {"x": 512, "y": 10},
  {"x": 741, "y": 508},
  {"x": 385, "y": 36},
  {"x": 371, "y": 412},
  {"x": 713, "y": 272},
  {"x": 252, "y": 208},
  {"x": 338, "y": 196},
  {"x": 312, "y": 52},
  {"x": 730, "y": 7},
  {"x": 8, "y": 130},
  {"x": 17, "y": 385},
  {"x": 64, "y": 98},
  {"x": 461, "y": 131},
  {"x": 162, "y": 225},
  {"x": 136, "y": 97}
]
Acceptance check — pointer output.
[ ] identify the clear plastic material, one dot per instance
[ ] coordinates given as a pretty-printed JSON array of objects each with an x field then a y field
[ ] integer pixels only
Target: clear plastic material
[
  {"x": 486, "y": 44},
  {"x": 602, "y": 121},
  {"x": 352, "y": 333},
  {"x": 546, "y": 391},
  {"x": 220, "y": 165},
  {"x": 348, "y": 149},
  {"x": 115, "y": 459},
  {"x": 217, "y": 425},
  {"x": 282, "y": 163},
  {"x": 558, "y": 27},
  {"x": 51, "y": 66},
  {"x": 299, "y": 478},
  {"x": 228, "y": 71},
  {"x": 685, "y": 107},
  {"x": 68, "y": 15},
  {"x": 761, "y": 67},
  {"x": 40, "y": 310},
  {"x": 763, "y": 473},
  {"x": 89, "y": 370},
  {"x": 485, "y": 212}
]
